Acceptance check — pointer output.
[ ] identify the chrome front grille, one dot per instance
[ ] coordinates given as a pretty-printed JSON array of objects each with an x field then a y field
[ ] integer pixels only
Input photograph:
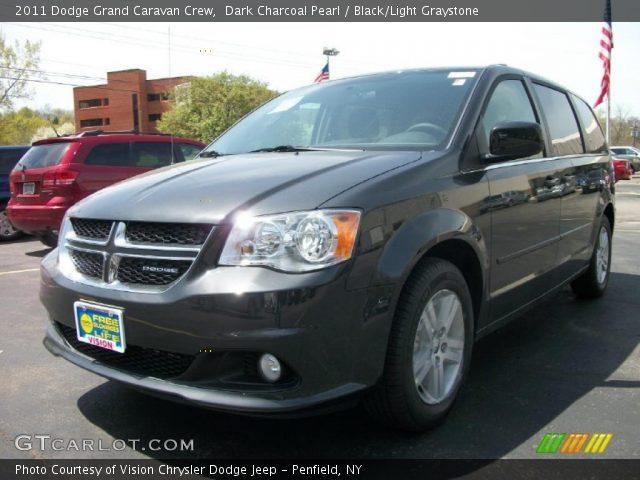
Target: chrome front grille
[
  {"x": 92, "y": 229},
  {"x": 167, "y": 233},
  {"x": 131, "y": 255},
  {"x": 90, "y": 264},
  {"x": 147, "y": 271}
]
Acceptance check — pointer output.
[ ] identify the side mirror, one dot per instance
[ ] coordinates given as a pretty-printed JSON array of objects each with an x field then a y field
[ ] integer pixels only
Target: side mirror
[{"x": 512, "y": 140}]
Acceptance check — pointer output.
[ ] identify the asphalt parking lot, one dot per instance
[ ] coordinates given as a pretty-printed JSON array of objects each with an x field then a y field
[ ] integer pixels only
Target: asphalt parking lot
[{"x": 567, "y": 366}]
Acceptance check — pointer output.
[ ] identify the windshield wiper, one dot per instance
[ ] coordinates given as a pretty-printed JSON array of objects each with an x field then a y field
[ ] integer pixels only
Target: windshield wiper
[
  {"x": 284, "y": 148},
  {"x": 210, "y": 153}
]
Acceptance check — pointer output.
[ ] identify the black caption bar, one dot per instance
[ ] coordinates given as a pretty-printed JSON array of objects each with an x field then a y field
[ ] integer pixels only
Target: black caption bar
[
  {"x": 314, "y": 10},
  {"x": 315, "y": 469}
]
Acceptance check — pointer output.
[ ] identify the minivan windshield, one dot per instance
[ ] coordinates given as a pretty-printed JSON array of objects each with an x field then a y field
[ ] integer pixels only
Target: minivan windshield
[
  {"x": 407, "y": 110},
  {"x": 46, "y": 155}
]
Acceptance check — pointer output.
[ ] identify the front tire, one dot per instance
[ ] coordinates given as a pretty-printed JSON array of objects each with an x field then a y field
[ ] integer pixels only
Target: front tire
[
  {"x": 49, "y": 238},
  {"x": 429, "y": 349},
  {"x": 593, "y": 282}
]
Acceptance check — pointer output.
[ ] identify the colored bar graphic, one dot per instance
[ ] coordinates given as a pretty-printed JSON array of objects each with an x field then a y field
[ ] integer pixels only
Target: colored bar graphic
[
  {"x": 598, "y": 443},
  {"x": 605, "y": 443},
  {"x": 573, "y": 442},
  {"x": 567, "y": 443},
  {"x": 550, "y": 442},
  {"x": 581, "y": 442}
]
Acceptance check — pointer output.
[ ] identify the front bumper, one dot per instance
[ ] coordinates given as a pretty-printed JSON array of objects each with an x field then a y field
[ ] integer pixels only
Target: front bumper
[
  {"x": 236, "y": 402},
  {"x": 319, "y": 329}
]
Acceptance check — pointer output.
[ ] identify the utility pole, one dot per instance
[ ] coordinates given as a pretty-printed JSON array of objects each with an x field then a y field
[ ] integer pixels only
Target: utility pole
[{"x": 634, "y": 133}]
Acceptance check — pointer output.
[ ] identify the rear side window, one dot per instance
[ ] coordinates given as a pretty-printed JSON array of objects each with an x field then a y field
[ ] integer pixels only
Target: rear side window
[
  {"x": 9, "y": 159},
  {"x": 509, "y": 103},
  {"x": 46, "y": 155},
  {"x": 624, "y": 151},
  {"x": 563, "y": 127},
  {"x": 151, "y": 154},
  {"x": 593, "y": 136},
  {"x": 110, "y": 154},
  {"x": 188, "y": 151}
]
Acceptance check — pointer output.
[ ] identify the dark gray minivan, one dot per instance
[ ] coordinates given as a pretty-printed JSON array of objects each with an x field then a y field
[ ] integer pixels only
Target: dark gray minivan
[{"x": 346, "y": 241}]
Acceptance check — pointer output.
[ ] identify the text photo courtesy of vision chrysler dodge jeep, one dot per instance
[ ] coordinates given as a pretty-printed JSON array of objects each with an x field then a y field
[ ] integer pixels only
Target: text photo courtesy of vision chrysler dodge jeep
[{"x": 345, "y": 242}]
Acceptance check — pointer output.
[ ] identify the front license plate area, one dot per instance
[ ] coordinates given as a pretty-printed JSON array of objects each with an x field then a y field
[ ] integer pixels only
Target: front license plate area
[
  {"x": 28, "y": 188},
  {"x": 100, "y": 326}
]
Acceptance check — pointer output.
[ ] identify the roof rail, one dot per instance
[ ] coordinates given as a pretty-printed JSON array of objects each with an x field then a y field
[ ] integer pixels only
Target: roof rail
[
  {"x": 93, "y": 133},
  {"x": 89, "y": 133}
]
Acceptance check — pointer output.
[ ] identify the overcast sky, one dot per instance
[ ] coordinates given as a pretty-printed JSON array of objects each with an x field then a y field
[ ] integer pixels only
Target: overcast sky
[{"x": 287, "y": 55}]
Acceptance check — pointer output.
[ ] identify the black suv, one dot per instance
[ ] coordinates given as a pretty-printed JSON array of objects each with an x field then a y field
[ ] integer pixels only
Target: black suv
[
  {"x": 9, "y": 157},
  {"x": 336, "y": 244}
]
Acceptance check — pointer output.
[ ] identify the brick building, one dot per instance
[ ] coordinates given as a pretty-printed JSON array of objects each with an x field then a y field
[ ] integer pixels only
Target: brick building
[{"x": 128, "y": 101}]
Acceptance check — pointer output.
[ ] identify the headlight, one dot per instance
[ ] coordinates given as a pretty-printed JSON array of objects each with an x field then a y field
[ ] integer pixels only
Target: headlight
[
  {"x": 292, "y": 242},
  {"x": 64, "y": 259}
]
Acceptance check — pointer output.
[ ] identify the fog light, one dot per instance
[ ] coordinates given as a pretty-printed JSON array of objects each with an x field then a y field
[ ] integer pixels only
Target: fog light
[{"x": 270, "y": 368}]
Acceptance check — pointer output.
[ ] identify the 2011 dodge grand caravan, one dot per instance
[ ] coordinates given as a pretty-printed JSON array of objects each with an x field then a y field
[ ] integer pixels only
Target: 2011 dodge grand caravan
[{"x": 341, "y": 242}]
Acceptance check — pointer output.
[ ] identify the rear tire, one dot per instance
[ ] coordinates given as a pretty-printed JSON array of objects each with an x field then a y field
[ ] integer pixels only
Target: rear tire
[
  {"x": 429, "y": 349},
  {"x": 7, "y": 231},
  {"x": 49, "y": 238},
  {"x": 593, "y": 282}
]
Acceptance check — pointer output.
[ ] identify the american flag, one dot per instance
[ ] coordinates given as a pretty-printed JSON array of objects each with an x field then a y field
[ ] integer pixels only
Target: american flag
[
  {"x": 606, "y": 44},
  {"x": 323, "y": 75}
]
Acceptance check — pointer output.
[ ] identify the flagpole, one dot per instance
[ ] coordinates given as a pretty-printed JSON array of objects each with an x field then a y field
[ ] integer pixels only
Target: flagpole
[
  {"x": 609, "y": 102},
  {"x": 329, "y": 52}
]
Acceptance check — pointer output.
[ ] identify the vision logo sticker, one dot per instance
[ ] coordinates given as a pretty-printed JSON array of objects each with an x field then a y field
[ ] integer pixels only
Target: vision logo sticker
[{"x": 574, "y": 443}]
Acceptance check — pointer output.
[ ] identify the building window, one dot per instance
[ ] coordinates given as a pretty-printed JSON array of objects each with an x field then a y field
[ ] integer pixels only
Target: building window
[
  {"x": 154, "y": 117},
  {"x": 134, "y": 105},
  {"x": 91, "y": 122},
  {"x": 105, "y": 102},
  {"x": 156, "y": 97},
  {"x": 94, "y": 102},
  {"x": 107, "y": 121}
]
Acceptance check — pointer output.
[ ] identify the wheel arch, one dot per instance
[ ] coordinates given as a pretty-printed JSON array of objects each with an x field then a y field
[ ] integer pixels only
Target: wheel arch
[
  {"x": 441, "y": 233},
  {"x": 464, "y": 257},
  {"x": 610, "y": 213}
]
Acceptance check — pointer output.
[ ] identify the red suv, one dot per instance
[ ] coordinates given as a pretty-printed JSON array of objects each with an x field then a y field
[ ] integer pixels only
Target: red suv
[{"x": 58, "y": 172}]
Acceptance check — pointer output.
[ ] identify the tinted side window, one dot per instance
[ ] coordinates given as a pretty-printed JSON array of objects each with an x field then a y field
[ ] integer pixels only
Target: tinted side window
[
  {"x": 563, "y": 127},
  {"x": 509, "y": 103},
  {"x": 593, "y": 136},
  {"x": 188, "y": 151},
  {"x": 110, "y": 154},
  {"x": 152, "y": 154}
]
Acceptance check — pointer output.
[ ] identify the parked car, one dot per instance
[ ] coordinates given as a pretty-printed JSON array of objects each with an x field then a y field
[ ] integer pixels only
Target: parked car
[
  {"x": 9, "y": 156},
  {"x": 58, "y": 172},
  {"x": 629, "y": 153},
  {"x": 330, "y": 246},
  {"x": 622, "y": 168}
]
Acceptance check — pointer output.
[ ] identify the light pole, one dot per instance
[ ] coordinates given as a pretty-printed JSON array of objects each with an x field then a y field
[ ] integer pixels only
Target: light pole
[
  {"x": 329, "y": 52},
  {"x": 634, "y": 133}
]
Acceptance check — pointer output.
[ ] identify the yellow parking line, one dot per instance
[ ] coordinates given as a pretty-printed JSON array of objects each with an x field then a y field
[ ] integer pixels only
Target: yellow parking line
[{"x": 20, "y": 271}]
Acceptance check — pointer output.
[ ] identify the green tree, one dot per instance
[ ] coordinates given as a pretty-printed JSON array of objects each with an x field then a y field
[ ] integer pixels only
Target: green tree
[
  {"x": 205, "y": 107},
  {"x": 18, "y": 64},
  {"x": 20, "y": 126},
  {"x": 59, "y": 121}
]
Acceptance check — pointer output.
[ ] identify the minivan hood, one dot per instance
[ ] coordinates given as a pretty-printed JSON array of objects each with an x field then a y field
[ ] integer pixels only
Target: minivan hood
[{"x": 209, "y": 190}]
